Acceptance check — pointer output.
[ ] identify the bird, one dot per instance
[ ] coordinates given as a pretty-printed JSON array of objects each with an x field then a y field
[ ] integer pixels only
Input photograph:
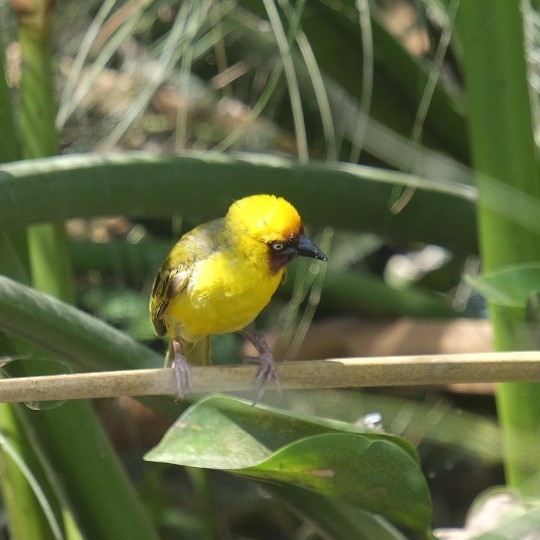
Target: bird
[{"x": 219, "y": 276}]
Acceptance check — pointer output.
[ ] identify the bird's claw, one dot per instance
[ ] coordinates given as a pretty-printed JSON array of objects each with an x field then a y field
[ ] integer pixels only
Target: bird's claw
[
  {"x": 267, "y": 372},
  {"x": 182, "y": 375},
  {"x": 267, "y": 367}
]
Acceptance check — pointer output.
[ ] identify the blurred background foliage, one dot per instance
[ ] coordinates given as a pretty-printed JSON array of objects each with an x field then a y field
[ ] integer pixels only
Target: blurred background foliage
[{"x": 370, "y": 100}]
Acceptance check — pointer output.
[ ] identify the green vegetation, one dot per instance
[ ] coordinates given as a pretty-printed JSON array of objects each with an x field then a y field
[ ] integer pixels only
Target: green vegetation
[{"x": 386, "y": 140}]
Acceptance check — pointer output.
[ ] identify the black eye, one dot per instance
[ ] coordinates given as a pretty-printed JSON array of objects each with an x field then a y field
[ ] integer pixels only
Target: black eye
[{"x": 277, "y": 246}]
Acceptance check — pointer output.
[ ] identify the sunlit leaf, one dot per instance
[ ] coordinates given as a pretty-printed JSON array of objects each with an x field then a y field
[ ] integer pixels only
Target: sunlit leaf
[{"x": 377, "y": 472}]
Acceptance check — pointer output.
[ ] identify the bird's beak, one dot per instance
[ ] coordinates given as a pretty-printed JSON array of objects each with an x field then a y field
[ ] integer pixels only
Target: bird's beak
[{"x": 306, "y": 248}]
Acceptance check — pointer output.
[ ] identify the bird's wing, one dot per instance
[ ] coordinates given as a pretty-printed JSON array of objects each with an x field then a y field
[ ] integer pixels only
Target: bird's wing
[
  {"x": 169, "y": 282},
  {"x": 176, "y": 270}
]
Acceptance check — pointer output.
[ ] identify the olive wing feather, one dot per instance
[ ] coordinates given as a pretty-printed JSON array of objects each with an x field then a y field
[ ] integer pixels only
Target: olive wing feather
[
  {"x": 169, "y": 282},
  {"x": 174, "y": 274}
]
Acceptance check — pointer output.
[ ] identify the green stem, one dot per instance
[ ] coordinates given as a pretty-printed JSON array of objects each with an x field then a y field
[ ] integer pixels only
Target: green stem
[
  {"x": 49, "y": 260},
  {"x": 504, "y": 155},
  {"x": 9, "y": 137},
  {"x": 38, "y": 102},
  {"x": 32, "y": 510}
]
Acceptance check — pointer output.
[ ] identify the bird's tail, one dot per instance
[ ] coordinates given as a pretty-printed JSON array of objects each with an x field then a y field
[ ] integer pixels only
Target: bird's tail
[{"x": 197, "y": 354}]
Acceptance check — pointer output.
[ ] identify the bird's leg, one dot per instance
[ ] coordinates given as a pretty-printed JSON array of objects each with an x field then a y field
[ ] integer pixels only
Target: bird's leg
[
  {"x": 267, "y": 366},
  {"x": 182, "y": 370}
]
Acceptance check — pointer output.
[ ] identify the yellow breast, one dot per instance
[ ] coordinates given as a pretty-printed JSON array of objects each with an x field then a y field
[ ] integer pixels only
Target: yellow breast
[
  {"x": 224, "y": 294},
  {"x": 222, "y": 274}
]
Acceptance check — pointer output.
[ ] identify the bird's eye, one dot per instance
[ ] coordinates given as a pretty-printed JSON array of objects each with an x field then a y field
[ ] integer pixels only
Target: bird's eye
[{"x": 277, "y": 246}]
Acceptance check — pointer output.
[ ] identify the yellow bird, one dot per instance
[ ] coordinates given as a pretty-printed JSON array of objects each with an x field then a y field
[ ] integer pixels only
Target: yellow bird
[{"x": 221, "y": 275}]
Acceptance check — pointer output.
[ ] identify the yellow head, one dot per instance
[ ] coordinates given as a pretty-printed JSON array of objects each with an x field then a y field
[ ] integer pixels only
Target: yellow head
[
  {"x": 264, "y": 217},
  {"x": 268, "y": 230}
]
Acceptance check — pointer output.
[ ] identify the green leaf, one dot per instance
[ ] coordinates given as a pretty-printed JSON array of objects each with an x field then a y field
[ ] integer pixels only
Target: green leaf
[
  {"x": 215, "y": 431},
  {"x": 510, "y": 286},
  {"x": 67, "y": 331},
  {"x": 375, "y": 475},
  {"x": 143, "y": 185},
  {"x": 83, "y": 340},
  {"x": 377, "y": 472}
]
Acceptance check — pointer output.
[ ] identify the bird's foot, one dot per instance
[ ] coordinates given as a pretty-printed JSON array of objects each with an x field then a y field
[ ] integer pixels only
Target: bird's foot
[
  {"x": 267, "y": 366},
  {"x": 182, "y": 372}
]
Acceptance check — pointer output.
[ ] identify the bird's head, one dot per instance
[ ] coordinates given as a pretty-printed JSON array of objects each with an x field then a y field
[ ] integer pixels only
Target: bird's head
[{"x": 270, "y": 225}]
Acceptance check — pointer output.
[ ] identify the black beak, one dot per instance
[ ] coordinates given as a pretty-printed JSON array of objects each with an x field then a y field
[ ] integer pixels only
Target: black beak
[{"x": 306, "y": 248}]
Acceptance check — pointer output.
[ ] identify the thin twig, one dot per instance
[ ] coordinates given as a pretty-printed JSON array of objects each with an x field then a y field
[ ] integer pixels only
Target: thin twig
[{"x": 317, "y": 374}]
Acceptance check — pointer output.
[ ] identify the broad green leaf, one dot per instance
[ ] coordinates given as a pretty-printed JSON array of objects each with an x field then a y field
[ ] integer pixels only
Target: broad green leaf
[
  {"x": 377, "y": 472},
  {"x": 375, "y": 475},
  {"x": 144, "y": 185},
  {"x": 222, "y": 432},
  {"x": 510, "y": 286}
]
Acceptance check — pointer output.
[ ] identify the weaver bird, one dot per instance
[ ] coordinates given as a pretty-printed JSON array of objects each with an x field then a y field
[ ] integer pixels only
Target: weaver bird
[{"x": 220, "y": 276}]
